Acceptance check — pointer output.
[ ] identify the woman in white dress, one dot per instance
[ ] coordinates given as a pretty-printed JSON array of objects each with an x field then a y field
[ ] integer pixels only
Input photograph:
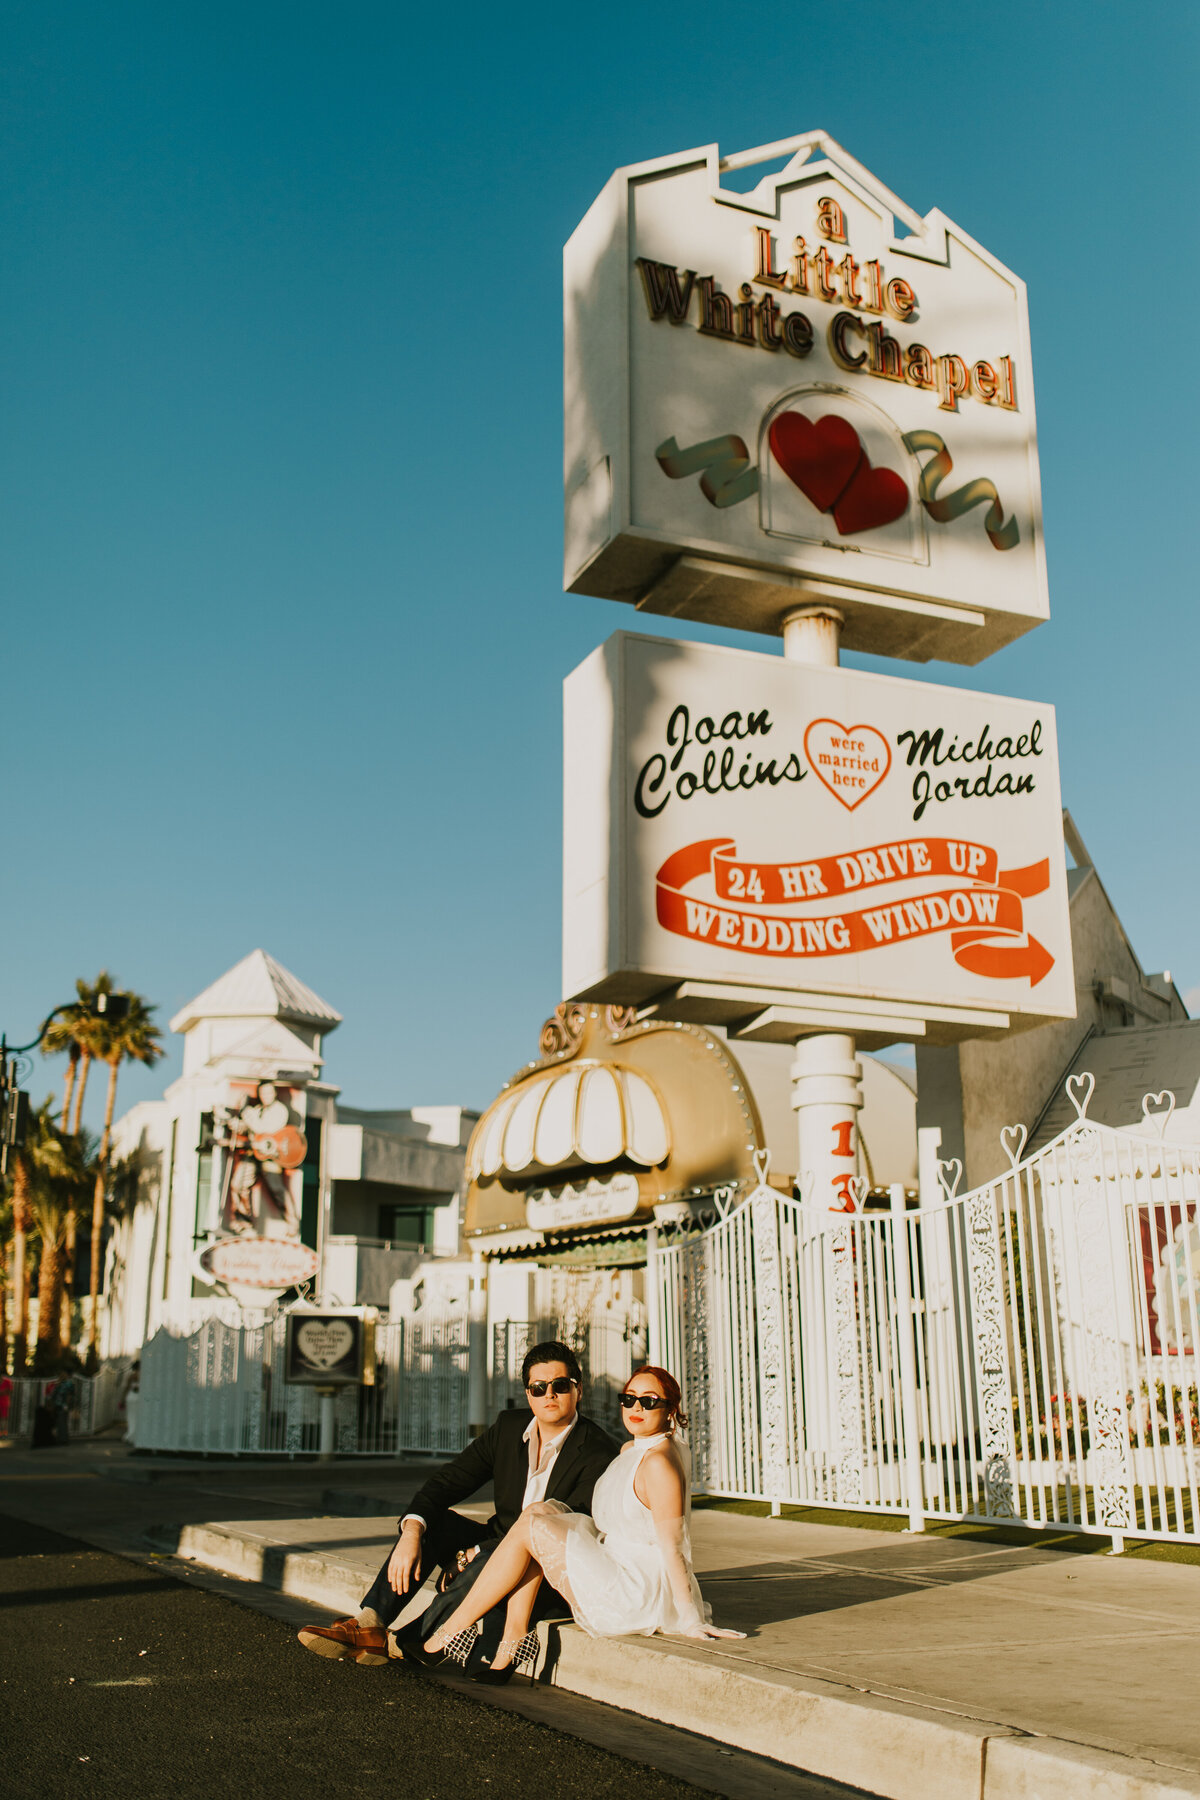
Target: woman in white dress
[{"x": 626, "y": 1569}]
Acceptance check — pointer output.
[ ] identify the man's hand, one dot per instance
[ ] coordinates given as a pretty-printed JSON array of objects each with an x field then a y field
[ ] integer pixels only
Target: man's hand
[{"x": 404, "y": 1564}]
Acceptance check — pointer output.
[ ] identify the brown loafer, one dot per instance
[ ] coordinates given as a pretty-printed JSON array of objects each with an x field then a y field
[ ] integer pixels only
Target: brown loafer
[{"x": 367, "y": 1644}]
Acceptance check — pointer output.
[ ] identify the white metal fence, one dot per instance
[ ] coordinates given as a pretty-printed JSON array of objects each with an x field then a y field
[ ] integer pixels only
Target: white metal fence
[
  {"x": 93, "y": 1401},
  {"x": 1025, "y": 1352},
  {"x": 218, "y": 1389}
]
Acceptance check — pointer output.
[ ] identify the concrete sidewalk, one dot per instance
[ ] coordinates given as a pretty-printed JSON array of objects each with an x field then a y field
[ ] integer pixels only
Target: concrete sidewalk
[{"x": 911, "y": 1667}]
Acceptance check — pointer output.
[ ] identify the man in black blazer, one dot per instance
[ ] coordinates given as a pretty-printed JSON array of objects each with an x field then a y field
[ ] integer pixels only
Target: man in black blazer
[{"x": 549, "y": 1453}]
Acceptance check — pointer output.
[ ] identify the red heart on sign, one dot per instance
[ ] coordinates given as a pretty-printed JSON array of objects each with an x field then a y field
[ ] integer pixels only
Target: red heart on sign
[
  {"x": 874, "y": 497},
  {"x": 851, "y": 760},
  {"x": 821, "y": 459}
]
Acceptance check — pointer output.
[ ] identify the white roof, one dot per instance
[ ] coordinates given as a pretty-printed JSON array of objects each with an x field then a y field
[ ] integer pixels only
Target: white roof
[{"x": 258, "y": 988}]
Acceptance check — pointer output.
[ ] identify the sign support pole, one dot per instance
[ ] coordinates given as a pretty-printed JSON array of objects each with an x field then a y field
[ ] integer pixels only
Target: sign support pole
[
  {"x": 826, "y": 1095},
  {"x": 477, "y": 1348},
  {"x": 325, "y": 1441}
]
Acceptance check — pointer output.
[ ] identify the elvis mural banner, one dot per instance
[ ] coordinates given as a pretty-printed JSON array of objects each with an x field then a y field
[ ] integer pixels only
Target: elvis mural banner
[
  {"x": 259, "y": 1137},
  {"x": 733, "y": 818}
]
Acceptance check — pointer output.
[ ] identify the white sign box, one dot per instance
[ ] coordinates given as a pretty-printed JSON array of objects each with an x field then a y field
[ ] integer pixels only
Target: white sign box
[
  {"x": 776, "y": 398},
  {"x": 734, "y": 821}
]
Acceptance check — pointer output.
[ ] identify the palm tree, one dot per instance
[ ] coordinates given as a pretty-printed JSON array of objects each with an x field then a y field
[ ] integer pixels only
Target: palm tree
[
  {"x": 134, "y": 1038},
  {"x": 6, "y": 1225},
  {"x": 83, "y": 1145},
  {"x": 22, "y": 1226},
  {"x": 29, "y": 1162},
  {"x": 50, "y": 1215},
  {"x": 58, "y": 1192},
  {"x": 79, "y": 1032},
  {"x": 40, "y": 1166}
]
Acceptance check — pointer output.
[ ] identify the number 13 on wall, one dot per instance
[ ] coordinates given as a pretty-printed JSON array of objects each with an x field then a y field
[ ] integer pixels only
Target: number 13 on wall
[{"x": 843, "y": 1145}]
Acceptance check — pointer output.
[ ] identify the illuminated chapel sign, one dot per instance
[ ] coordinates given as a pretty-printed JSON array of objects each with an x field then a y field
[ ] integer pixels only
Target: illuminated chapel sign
[{"x": 802, "y": 392}]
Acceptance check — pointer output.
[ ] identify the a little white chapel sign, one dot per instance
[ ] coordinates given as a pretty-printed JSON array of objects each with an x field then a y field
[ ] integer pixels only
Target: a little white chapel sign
[{"x": 807, "y": 387}]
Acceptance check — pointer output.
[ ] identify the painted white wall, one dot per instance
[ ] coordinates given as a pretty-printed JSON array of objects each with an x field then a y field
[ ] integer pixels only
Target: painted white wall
[
  {"x": 151, "y": 1257},
  {"x": 447, "y": 1225},
  {"x": 447, "y": 1124}
]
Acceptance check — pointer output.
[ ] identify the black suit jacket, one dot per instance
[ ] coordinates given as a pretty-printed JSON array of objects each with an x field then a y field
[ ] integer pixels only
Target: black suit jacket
[{"x": 501, "y": 1456}]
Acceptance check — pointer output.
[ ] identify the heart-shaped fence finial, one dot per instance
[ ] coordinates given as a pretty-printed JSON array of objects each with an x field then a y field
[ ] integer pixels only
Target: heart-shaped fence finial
[
  {"x": 724, "y": 1198},
  {"x": 762, "y": 1162},
  {"x": 857, "y": 1187},
  {"x": 1014, "y": 1138},
  {"x": 1157, "y": 1110},
  {"x": 804, "y": 1188},
  {"x": 950, "y": 1174},
  {"x": 1079, "y": 1089}
]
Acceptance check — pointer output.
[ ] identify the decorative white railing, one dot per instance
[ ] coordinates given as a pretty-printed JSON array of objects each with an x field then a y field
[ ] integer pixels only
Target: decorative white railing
[
  {"x": 1023, "y": 1352},
  {"x": 95, "y": 1400},
  {"x": 219, "y": 1390}
]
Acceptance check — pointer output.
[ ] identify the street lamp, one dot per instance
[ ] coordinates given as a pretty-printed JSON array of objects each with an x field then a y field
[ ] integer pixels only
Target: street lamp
[{"x": 14, "y": 1104}]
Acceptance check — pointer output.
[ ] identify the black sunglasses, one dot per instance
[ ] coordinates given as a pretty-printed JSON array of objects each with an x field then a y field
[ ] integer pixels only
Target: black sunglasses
[
  {"x": 562, "y": 1384},
  {"x": 649, "y": 1402}
]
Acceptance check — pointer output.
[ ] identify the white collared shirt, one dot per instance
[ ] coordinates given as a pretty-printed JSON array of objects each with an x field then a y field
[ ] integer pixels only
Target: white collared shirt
[{"x": 541, "y": 1466}]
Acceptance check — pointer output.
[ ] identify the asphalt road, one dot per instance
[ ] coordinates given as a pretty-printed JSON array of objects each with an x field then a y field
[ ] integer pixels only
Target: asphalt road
[{"x": 118, "y": 1682}]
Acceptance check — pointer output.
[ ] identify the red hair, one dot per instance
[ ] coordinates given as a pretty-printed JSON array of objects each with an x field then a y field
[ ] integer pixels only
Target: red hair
[{"x": 672, "y": 1392}]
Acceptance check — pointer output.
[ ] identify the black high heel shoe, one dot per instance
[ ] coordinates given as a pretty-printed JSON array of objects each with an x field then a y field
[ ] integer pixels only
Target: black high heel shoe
[
  {"x": 523, "y": 1650},
  {"x": 455, "y": 1649},
  {"x": 412, "y": 1650}
]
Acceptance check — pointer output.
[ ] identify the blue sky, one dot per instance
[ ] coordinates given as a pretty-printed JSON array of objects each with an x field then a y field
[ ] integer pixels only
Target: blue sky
[{"x": 281, "y": 502}]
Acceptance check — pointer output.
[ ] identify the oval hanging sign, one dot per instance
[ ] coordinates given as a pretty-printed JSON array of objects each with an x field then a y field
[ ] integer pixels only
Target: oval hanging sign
[{"x": 254, "y": 1262}]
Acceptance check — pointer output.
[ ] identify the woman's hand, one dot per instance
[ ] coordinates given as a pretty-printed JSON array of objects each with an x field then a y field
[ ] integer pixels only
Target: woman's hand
[
  {"x": 709, "y": 1631},
  {"x": 691, "y": 1625}
]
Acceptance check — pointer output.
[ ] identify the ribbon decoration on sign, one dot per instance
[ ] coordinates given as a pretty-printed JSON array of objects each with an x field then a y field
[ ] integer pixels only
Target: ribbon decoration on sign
[
  {"x": 728, "y": 476},
  {"x": 985, "y": 919},
  {"x": 1002, "y": 536}
]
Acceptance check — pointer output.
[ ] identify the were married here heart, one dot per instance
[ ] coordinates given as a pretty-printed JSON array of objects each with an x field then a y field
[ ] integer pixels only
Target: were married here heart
[{"x": 851, "y": 760}]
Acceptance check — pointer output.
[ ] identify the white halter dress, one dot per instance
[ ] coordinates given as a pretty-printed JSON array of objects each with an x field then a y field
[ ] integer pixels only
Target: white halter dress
[{"x": 613, "y": 1567}]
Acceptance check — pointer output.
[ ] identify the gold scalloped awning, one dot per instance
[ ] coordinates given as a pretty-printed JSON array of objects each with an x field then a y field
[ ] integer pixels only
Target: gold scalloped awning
[
  {"x": 584, "y": 1114},
  {"x": 610, "y": 1098}
]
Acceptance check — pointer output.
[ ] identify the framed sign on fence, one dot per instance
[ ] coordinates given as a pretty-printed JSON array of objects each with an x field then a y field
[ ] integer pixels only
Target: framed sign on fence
[{"x": 327, "y": 1349}]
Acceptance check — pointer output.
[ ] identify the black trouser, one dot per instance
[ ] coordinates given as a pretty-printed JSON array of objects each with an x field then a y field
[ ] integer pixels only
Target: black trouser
[{"x": 445, "y": 1535}]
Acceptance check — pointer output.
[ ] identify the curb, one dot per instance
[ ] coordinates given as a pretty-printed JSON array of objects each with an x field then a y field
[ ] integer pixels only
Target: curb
[
  {"x": 305, "y": 1574},
  {"x": 886, "y": 1747}
]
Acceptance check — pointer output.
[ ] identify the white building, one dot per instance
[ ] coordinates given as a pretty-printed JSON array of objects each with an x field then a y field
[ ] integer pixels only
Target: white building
[{"x": 373, "y": 1193}]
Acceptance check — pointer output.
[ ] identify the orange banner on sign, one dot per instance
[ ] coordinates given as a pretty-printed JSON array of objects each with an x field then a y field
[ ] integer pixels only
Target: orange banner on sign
[
  {"x": 985, "y": 919},
  {"x": 906, "y": 860}
]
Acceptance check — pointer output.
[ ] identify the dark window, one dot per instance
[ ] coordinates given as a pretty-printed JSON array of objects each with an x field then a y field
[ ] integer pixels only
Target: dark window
[
  {"x": 310, "y": 1182},
  {"x": 206, "y": 1216},
  {"x": 206, "y": 1206},
  {"x": 407, "y": 1225}
]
